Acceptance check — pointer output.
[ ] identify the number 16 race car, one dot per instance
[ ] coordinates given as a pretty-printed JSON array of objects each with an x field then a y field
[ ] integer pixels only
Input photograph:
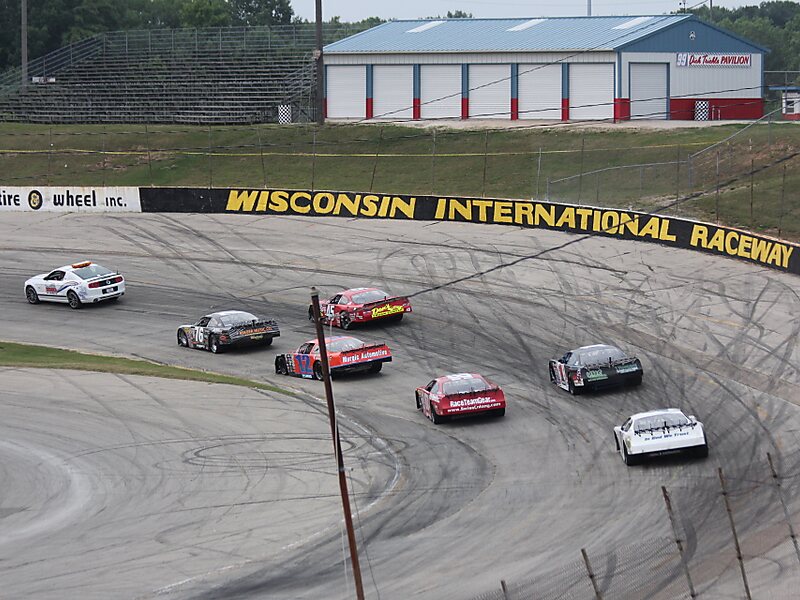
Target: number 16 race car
[
  {"x": 459, "y": 395},
  {"x": 595, "y": 367},
  {"x": 227, "y": 329},
  {"x": 659, "y": 432},
  {"x": 77, "y": 284},
  {"x": 361, "y": 305},
  {"x": 344, "y": 354}
]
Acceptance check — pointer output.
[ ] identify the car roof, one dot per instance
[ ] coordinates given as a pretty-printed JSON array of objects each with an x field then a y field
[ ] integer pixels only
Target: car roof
[
  {"x": 226, "y": 313},
  {"x": 655, "y": 413},
  {"x": 457, "y": 376},
  {"x": 595, "y": 347},
  {"x": 361, "y": 289},
  {"x": 334, "y": 339}
]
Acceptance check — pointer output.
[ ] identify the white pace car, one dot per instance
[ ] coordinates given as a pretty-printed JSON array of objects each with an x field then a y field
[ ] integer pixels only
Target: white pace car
[
  {"x": 658, "y": 432},
  {"x": 77, "y": 284}
]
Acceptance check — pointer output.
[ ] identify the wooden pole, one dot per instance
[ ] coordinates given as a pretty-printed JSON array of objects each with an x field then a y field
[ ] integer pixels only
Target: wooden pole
[
  {"x": 735, "y": 536},
  {"x": 678, "y": 542},
  {"x": 320, "y": 64},
  {"x": 326, "y": 378},
  {"x": 592, "y": 578}
]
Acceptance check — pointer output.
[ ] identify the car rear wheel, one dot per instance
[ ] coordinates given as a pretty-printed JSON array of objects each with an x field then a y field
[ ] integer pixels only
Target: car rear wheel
[
  {"x": 435, "y": 417},
  {"x": 73, "y": 300},
  {"x": 500, "y": 412},
  {"x": 629, "y": 459},
  {"x": 636, "y": 380},
  {"x": 572, "y": 389},
  {"x": 317, "y": 370},
  {"x": 182, "y": 339},
  {"x": 398, "y": 317},
  {"x": 31, "y": 295},
  {"x": 268, "y": 342},
  {"x": 344, "y": 320},
  {"x": 376, "y": 367},
  {"x": 213, "y": 345},
  {"x": 280, "y": 365}
]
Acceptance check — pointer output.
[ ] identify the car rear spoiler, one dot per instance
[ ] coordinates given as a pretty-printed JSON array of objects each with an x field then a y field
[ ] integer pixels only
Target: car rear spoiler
[
  {"x": 490, "y": 390},
  {"x": 252, "y": 324},
  {"x": 392, "y": 300}
]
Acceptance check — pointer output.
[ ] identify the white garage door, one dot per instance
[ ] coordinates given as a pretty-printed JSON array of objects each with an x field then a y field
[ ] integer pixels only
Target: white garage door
[
  {"x": 392, "y": 91},
  {"x": 539, "y": 91},
  {"x": 648, "y": 91},
  {"x": 436, "y": 82},
  {"x": 490, "y": 91},
  {"x": 347, "y": 92},
  {"x": 591, "y": 91}
]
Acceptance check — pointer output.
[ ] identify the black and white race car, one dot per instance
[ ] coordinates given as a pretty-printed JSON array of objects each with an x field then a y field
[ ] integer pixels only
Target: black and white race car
[
  {"x": 659, "y": 432},
  {"x": 226, "y": 329},
  {"x": 595, "y": 367}
]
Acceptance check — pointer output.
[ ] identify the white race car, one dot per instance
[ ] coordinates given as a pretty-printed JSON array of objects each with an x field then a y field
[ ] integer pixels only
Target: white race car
[
  {"x": 658, "y": 432},
  {"x": 77, "y": 284}
]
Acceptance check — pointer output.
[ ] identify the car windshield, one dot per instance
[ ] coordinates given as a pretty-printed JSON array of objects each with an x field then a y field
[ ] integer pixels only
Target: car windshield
[
  {"x": 660, "y": 421},
  {"x": 239, "y": 318},
  {"x": 93, "y": 270},
  {"x": 344, "y": 344},
  {"x": 369, "y": 296},
  {"x": 464, "y": 386},
  {"x": 596, "y": 354}
]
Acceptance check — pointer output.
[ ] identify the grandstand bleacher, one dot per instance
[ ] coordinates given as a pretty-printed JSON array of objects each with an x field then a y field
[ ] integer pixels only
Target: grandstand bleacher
[{"x": 193, "y": 76}]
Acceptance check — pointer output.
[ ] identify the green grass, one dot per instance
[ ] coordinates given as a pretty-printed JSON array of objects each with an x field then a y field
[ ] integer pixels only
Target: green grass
[
  {"x": 32, "y": 356},
  {"x": 618, "y": 167}
]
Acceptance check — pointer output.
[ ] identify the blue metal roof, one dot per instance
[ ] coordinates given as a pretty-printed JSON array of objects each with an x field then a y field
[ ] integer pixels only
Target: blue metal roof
[{"x": 505, "y": 35}]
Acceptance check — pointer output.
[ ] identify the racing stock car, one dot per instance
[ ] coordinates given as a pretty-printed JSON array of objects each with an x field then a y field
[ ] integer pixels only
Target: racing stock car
[
  {"x": 595, "y": 367},
  {"x": 459, "y": 395},
  {"x": 658, "y": 432},
  {"x": 345, "y": 354},
  {"x": 76, "y": 284},
  {"x": 228, "y": 329},
  {"x": 361, "y": 305}
]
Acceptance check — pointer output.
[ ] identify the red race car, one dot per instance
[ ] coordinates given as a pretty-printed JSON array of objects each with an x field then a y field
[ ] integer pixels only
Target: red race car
[
  {"x": 458, "y": 395},
  {"x": 361, "y": 305},
  {"x": 344, "y": 354}
]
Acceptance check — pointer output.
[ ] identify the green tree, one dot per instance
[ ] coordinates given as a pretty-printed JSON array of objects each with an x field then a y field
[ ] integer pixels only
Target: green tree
[
  {"x": 205, "y": 13},
  {"x": 261, "y": 12}
]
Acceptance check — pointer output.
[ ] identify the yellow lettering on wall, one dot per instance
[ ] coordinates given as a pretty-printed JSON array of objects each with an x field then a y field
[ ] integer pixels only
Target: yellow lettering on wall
[
  {"x": 609, "y": 221},
  {"x": 384, "y": 209},
  {"x": 717, "y": 240},
  {"x": 263, "y": 199},
  {"x": 650, "y": 228},
  {"x": 300, "y": 208},
  {"x": 584, "y": 214},
  {"x": 523, "y": 213},
  {"x": 465, "y": 209},
  {"x": 502, "y": 212},
  {"x": 731, "y": 243},
  {"x": 482, "y": 205},
  {"x": 787, "y": 254},
  {"x": 567, "y": 218},
  {"x": 760, "y": 250},
  {"x": 544, "y": 213},
  {"x": 239, "y": 200},
  {"x": 369, "y": 205},
  {"x": 343, "y": 201},
  {"x": 744, "y": 246},
  {"x": 407, "y": 207},
  {"x": 279, "y": 201},
  {"x": 776, "y": 255},
  {"x": 699, "y": 236},
  {"x": 664, "y": 234},
  {"x": 596, "y": 218},
  {"x": 441, "y": 207},
  {"x": 629, "y": 223},
  {"x": 323, "y": 203}
]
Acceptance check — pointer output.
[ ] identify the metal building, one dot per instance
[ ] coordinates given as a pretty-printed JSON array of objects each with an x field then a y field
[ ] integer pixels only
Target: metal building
[{"x": 566, "y": 68}]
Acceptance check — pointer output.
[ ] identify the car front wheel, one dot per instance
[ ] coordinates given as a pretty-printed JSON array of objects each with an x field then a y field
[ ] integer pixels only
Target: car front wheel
[
  {"x": 182, "y": 339},
  {"x": 317, "y": 370},
  {"x": 73, "y": 300},
  {"x": 31, "y": 295},
  {"x": 280, "y": 365}
]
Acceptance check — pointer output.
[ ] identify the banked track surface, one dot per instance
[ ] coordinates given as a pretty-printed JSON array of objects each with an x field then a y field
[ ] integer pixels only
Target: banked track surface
[{"x": 443, "y": 512}]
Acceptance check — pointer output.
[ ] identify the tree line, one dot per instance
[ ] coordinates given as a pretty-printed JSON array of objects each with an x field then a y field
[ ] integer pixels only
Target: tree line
[{"x": 56, "y": 23}]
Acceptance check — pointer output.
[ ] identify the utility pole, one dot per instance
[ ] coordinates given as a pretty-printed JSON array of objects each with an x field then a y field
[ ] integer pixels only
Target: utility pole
[
  {"x": 711, "y": 10},
  {"x": 337, "y": 446},
  {"x": 24, "y": 40},
  {"x": 320, "y": 66},
  {"x": 588, "y": 8}
]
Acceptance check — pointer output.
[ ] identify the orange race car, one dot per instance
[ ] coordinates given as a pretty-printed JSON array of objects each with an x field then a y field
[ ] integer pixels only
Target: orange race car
[
  {"x": 344, "y": 354},
  {"x": 361, "y": 305}
]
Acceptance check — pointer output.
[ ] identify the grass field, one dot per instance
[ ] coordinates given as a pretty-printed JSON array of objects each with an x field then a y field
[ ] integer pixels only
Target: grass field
[
  {"x": 639, "y": 168},
  {"x": 31, "y": 356}
]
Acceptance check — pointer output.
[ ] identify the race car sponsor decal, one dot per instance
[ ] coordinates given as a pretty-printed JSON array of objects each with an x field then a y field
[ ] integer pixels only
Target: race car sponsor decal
[
  {"x": 369, "y": 355},
  {"x": 629, "y": 368},
  {"x": 625, "y": 224},
  {"x": 253, "y": 331},
  {"x": 467, "y": 402},
  {"x": 595, "y": 374},
  {"x": 386, "y": 310},
  {"x": 70, "y": 199}
]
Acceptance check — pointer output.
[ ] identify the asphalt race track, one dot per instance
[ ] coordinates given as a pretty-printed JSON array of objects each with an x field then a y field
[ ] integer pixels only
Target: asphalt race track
[{"x": 128, "y": 487}]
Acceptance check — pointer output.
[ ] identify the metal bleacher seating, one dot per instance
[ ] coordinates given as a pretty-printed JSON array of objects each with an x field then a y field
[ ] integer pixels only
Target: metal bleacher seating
[{"x": 193, "y": 76}]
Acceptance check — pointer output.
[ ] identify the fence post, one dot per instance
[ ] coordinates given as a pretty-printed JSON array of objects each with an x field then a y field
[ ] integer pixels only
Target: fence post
[
  {"x": 716, "y": 202},
  {"x": 641, "y": 182},
  {"x": 433, "y": 162},
  {"x": 735, "y": 536},
  {"x": 538, "y": 172},
  {"x": 313, "y": 157},
  {"x": 777, "y": 482},
  {"x": 485, "y": 160},
  {"x": 149, "y": 162},
  {"x": 597, "y": 594},
  {"x": 261, "y": 152},
  {"x": 210, "y": 161},
  {"x": 375, "y": 164},
  {"x": 677, "y": 177},
  {"x": 597, "y": 191},
  {"x": 547, "y": 190},
  {"x": 103, "y": 155},
  {"x": 783, "y": 197},
  {"x": 678, "y": 542},
  {"x": 580, "y": 175},
  {"x": 752, "y": 168},
  {"x": 49, "y": 154}
]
